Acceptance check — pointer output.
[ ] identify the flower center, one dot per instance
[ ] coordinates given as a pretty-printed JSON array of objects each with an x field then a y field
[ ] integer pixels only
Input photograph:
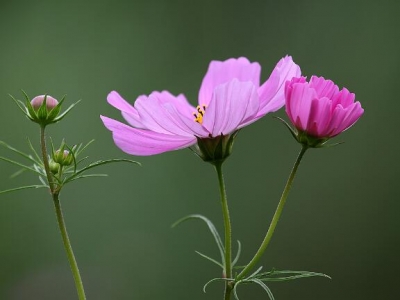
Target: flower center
[{"x": 198, "y": 116}]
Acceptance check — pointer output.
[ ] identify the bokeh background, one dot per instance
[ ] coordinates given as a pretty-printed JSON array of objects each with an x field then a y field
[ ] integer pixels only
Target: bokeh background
[{"x": 342, "y": 217}]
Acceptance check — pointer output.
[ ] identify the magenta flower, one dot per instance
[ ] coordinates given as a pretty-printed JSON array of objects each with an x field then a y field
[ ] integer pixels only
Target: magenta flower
[
  {"x": 230, "y": 98},
  {"x": 318, "y": 109}
]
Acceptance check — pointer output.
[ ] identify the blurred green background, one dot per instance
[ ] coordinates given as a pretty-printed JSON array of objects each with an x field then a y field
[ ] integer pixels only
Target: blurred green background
[{"x": 342, "y": 217}]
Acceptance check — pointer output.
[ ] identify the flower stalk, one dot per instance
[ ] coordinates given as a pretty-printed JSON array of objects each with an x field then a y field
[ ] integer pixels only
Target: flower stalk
[
  {"x": 275, "y": 218},
  {"x": 227, "y": 230},
  {"x": 60, "y": 218}
]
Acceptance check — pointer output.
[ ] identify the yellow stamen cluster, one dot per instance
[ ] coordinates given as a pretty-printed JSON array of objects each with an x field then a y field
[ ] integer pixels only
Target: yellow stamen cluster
[{"x": 201, "y": 110}]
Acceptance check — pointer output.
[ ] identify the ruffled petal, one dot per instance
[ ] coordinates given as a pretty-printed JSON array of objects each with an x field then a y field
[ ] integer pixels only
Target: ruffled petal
[
  {"x": 155, "y": 116},
  {"x": 324, "y": 87},
  {"x": 271, "y": 93},
  {"x": 129, "y": 113},
  {"x": 220, "y": 72},
  {"x": 300, "y": 104},
  {"x": 232, "y": 104},
  {"x": 320, "y": 117},
  {"x": 351, "y": 115},
  {"x": 144, "y": 142}
]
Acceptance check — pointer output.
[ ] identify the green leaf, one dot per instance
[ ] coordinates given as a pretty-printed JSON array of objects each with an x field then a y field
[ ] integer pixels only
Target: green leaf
[
  {"x": 265, "y": 287},
  {"x": 294, "y": 134},
  {"x": 214, "y": 280},
  {"x": 23, "y": 188},
  {"x": 21, "y": 165},
  {"x": 290, "y": 275},
  {"x": 237, "y": 254},
  {"x": 212, "y": 228},
  {"x": 27, "y": 156},
  {"x": 87, "y": 176},
  {"x": 97, "y": 164},
  {"x": 210, "y": 259},
  {"x": 38, "y": 158}
]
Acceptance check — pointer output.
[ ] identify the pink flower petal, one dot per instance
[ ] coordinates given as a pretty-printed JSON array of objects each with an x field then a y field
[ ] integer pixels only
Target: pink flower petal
[
  {"x": 232, "y": 103},
  {"x": 300, "y": 104},
  {"x": 272, "y": 93},
  {"x": 320, "y": 116},
  {"x": 144, "y": 142},
  {"x": 156, "y": 117},
  {"x": 220, "y": 72},
  {"x": 323, "y": 87}
]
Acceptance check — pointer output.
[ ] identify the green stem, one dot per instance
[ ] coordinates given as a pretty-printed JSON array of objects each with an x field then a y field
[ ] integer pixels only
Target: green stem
[
  {"x": 46, "y": 159},
  {"x": 228, "y": 230},
  {"x": 275, "y": 218},
  {"x": 68, "y": 248},
  {"x": 60, "y": 219}
]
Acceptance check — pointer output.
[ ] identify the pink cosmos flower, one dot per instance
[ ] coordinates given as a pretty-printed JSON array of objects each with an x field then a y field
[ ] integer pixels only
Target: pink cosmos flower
[
  {"x": 318, "y": 109},
  {"x": 230, "y": 98}
]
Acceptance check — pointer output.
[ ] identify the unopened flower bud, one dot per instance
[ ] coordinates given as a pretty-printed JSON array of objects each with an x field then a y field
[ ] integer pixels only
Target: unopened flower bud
[
  {"x": 54, "y": 167},
  {"x": 38, "y": 100},
  {"x": 64, "y": 158}
]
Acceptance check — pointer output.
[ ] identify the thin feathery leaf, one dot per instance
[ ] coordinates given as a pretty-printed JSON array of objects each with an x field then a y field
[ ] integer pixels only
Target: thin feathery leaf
[
  {"x": 87, "y": 176},
  {"x": 214, "y": 280},
  {"x": 210, "y": 259},
  {"x": 38, "y": 158},
  {"x": 255, "y": 273},
  {"x": 235, "y": 289},
  {"x": 81, "y": 148},
  {"x": 23, "y": 188},
  {"x": 265, "y": 287},
  {"x": 97, "y": 164},
  {"x": 212, "y": 228},
  {"x": 237, "y": 254},
  {"x": 292, "y": 275},
  {"x": 20, "y": 165},
  {"x": 27, "y": 156},
  {"x": 19, "y": 172}
]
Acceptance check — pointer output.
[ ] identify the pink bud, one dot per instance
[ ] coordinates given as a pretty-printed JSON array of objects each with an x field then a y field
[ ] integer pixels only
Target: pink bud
[{"x": 38, "y": 100}]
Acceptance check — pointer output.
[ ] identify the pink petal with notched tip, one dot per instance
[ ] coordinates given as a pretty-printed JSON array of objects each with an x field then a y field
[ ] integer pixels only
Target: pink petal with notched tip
[
  {"x": 144, "y": 142},
  {"x": 271, "y": 93},
  {"x": 155, "y": 116},
  {"x": 128, "y": 111},
  {"x": 220, "y": 72},
  {"x": 232, "y": 103},
  {"x": 323, "y": 87}
]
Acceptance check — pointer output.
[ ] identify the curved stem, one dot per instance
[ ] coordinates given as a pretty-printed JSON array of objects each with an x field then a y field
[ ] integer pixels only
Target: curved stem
[
  {"x": 275, "y": 218},
  {"x": 60, "y": 219},
  {"x": 228, "y": 230},
  {"x": 68, "y": 248}
]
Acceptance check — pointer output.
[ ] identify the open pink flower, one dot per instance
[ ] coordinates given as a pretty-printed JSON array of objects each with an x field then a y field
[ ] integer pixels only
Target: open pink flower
[
  {"x": 230, "y": 98},
  {"x": 318, "y": 109}
]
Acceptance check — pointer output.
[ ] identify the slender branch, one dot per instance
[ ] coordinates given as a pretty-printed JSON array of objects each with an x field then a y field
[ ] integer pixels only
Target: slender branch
[
  {"x": 60, "y": 219},
  {"x": 275, "y": 218},
  {"x": 228, "y": 231}
]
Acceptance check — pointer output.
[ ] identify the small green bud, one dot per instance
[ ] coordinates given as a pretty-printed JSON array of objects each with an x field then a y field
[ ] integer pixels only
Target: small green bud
[
  {"x": 63, "y": 157},
  {"x": 54, "y": 167}
]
